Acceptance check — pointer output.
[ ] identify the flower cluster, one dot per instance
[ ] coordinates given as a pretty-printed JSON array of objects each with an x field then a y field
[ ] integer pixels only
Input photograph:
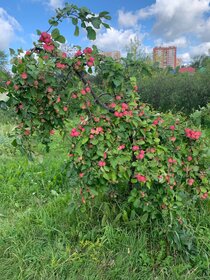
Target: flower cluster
[
  {"x": 47, "y": 40},
  {"x": 192, "y": 134}
]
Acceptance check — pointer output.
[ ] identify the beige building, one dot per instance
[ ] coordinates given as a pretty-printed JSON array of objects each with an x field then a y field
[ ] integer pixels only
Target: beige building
[
  {"x": 165, "y": 56},
  {"x": 114, "y": 54}
]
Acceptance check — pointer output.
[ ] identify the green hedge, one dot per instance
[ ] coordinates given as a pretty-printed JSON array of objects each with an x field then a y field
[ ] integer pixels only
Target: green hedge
[{"x": 176, "y": 92}]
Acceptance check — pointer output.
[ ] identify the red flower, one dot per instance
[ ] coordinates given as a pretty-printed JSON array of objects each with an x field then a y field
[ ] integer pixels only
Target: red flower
[
  {"x": 24, "y": 76},
  {"x": 141, "y": 178},
  {"x": 74, "y": 133},
  {"x": 60, "y": 65},
  {"x": 48, "y": 48},
  {"x": 101, "y": 163}
]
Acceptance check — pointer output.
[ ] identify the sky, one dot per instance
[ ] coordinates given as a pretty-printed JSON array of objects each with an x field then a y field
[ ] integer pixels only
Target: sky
[{"x": 183, "y": 23}]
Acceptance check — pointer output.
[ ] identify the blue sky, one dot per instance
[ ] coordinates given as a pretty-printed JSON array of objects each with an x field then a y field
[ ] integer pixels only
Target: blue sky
[{"x": 184, "y": 23}]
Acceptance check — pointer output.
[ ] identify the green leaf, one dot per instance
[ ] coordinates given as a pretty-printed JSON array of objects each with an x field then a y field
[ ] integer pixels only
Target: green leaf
[
  {"x": 12, "y": 52},
  {"x": 74, "y": 21},
  {"x": 76, "y": 31},
  {"x": 91, "y": 34},
  {"x": 96, "y": 22},
  {"x": 61, "y": 39},
  {"x": 55, "y": 33},
  {"x": 38, "y": 32},
  {"x": 144, "y": 217},
  {"x": 53, "y": 22},
  {"x": 106, "y": 25},
  {"x": 104, "y": 14}
]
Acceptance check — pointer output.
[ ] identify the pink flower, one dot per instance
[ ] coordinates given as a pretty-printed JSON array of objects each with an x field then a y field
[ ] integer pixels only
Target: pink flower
[
  {"x": 171, "y": 160},
  {"x": 45, "y": 38},
  {"x": 112, "y": 105},
  {"x": 60, "y": 65},
  {"x": 87, "y": 51},
  {"x": 124, "y": 106},
  {"x": 28, "y": 53},
  {"x": 121, "y": 147},
  {"x": 65, "y": 108},
  {"x": 58, "y": 99},
  {"x": 64, "y": 55},
  {"x": 8, "y": 83},
  {"x": 192, "y": 134},
  {"x": 140, "y": 155},
  {"x": 189, "y": 158},
  {"x": 83, "y": 92},
  {"x": 204, "y": 196},
  {"x": 74, "y": 133},
  {"x": 90, "y": 64},
  {"x": 105, "y": 155},
  {"x": 91, "y": 59},
  {"x": 118, "y": 97},
  {"x": 81, "y": 175},
  {"x": 48, "y": 48},
  {"x": 172, "y": 127},
  {"x": 52, "y": 132},
  {"x": 16, "y": 87},
  {"x": 87, "y": 89},
  {"x": 155, "y": 122},
  {"x": 24, "y": 76},
  {"x": 141, "y": 178},
  {"x": 190, "y": 181},
  {"x": 135, "y": 148},
  {"x": 101, "y": 163},
  {"x": 78, "y": 53},
  {"x": 49, "y": 89},
  {"x": 74, "y": 96},
  {"x": 173, "y": 138}
]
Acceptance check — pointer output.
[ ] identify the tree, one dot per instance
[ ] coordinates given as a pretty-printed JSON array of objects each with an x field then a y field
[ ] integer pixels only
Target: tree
[
  {"x": 3, "y": 61},
  {"x": 119, "y": 147}
]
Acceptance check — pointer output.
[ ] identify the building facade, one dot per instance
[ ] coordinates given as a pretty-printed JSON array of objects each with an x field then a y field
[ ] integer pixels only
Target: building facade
[
  {"x": 114, "y": 54},
  {"x": 165, "y": 56}
]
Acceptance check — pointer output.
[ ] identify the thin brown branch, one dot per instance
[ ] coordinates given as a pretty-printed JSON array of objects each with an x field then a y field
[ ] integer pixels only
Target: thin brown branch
[{"x": 97, "y": 101}]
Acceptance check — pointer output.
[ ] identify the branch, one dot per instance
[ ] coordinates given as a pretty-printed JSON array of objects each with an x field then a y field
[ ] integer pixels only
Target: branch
[{"x": 97, "y": 101}]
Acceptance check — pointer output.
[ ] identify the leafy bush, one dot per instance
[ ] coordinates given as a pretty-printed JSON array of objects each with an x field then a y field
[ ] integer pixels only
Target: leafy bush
[
  {"x": 180, "y": 92},
  {"x": 120, "y": 148},
  {"x": 201, "y": 117}
]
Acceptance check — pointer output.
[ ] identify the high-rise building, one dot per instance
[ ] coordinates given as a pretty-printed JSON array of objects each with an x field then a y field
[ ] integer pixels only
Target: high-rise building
[
  {"x": 114, "y": 54},
  {"x": 165, "y": 56}
]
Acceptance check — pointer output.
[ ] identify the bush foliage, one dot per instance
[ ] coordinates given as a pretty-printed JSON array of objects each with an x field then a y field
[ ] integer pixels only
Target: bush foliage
[{"x": 119, "y": 147}]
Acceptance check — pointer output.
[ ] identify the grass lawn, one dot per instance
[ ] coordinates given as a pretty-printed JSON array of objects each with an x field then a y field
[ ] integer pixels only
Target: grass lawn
[{"x": 40, "y": 238}]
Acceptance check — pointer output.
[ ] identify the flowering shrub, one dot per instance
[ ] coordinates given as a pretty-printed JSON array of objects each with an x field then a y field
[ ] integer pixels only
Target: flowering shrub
[{"x": 119, "y": 146}]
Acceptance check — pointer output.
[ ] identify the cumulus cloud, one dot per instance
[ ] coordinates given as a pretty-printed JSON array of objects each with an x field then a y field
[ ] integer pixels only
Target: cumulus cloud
[
  {"x": 185, "y": 58},
  {"x": 54, "y": 4},
  {"x": 180, "y": 42},
  {"x": 113, "y": 39},
  {"x": 201, "y": 49},
  {"x": 173, "y": 18},
  {"x": 8, "y": 26},
  {"x": 127, "y": 19}
]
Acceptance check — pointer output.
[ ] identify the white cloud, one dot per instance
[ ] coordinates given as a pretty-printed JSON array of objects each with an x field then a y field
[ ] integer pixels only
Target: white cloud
[
  {"x": 113, "y": 39},
  {"x": 185, "y": 58},
  {"x": 127, "y": 19},
  {"x": 180, "y": 42},
  {"x": 173, "y": 18},
  {"x": 54, "y": 4},
  {"x": 201, "y": 49},
  {"x": 8, "y": 26}
]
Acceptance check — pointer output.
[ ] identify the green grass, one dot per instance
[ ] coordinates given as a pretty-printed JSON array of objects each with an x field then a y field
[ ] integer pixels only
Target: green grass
[{"x": 41, "y": 238}]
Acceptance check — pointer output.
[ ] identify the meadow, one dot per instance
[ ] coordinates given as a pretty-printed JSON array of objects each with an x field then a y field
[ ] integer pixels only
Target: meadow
[{"x": 42, "y": 238}]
